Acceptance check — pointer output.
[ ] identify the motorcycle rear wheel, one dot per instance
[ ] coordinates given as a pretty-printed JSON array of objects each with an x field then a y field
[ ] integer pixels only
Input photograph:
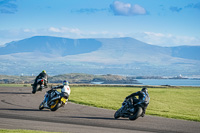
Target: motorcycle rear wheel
[
  {"x": 136, "y": 114},
  {"x": 35, "y": 87},
  {"x": 55, "y": 106}
]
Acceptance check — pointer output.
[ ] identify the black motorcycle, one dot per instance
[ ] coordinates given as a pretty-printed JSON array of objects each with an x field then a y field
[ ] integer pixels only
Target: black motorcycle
[
  {"x": 39, "y": 85},
  {"x": 55, "y": 100},
  {"x": 129, "y": 110}
]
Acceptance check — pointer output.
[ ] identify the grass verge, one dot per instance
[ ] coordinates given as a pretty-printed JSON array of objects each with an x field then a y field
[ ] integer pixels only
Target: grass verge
[
  {"x": 22, "y": 131},
  {"x": 15, "y": 85},
  {"x": 171, "y": 102}
]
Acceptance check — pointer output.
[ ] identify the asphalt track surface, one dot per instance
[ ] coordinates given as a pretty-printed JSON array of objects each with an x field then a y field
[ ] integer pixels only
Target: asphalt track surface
[{"x": 19, "y": 110}]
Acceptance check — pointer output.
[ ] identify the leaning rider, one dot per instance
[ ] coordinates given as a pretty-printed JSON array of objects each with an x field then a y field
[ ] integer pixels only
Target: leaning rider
[
  {"x": 65, "y": 91},
  {"x": 143, "y": 98},
  {"x": 42, "y": 75}
]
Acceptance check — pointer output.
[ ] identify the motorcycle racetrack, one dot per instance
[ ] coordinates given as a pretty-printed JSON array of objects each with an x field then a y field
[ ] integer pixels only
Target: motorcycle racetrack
[{"x": 19, "y": 110}]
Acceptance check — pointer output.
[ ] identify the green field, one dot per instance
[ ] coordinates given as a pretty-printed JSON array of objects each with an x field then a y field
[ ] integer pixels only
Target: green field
[
  {"x": 170, "y": 102},
  {"x": 15, "y": 85},
  {"x": 22, "y": 131}
]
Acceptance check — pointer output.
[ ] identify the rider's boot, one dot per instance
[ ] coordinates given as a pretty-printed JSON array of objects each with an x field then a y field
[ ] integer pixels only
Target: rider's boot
[
  {"x": 143, "y": 113},
  {"x": 66, "y": 101}
]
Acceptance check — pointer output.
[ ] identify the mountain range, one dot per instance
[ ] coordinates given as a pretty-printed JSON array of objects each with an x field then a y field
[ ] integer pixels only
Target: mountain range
[{"x": 124, "y": 56}]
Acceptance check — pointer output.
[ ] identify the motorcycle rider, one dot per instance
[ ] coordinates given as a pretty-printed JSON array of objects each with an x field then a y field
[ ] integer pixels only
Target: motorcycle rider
[
  {"x": 65, "y": 91},
  {"x": 143, "y": 98},
  {"x": 43, "y": 75}
]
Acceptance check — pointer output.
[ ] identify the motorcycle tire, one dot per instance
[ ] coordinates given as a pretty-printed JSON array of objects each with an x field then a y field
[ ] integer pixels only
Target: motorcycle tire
[
  {"x": 137, "y": 114},
  {"x": 34, "y": 89},
  {"x": 41, "y": 107},
  {"x": 117, "y": 114},
  {"x": 38, "y": 87},
  {"x": 55, "y": 106}
]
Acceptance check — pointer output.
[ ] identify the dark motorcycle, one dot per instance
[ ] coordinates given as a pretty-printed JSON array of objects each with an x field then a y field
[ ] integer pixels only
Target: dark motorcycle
[
  {"x": 54, "y": 102},
  {"x": 39, "y": 85},
  {"x": 129, "y": 110}
]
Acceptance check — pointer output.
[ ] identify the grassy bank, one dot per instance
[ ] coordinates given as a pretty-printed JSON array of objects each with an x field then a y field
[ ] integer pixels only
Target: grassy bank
[
  {"x": 22, "y": 131},
  {"x": 170, "y": 102},
  {"x": 15, "y": 85}
]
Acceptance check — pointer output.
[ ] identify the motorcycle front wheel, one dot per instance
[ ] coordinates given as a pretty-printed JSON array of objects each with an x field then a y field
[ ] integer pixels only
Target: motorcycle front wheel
[
  {"x": 137, "y": 114},
  {"x": 117, "y": 114},
  {"x": 41, "y": 107},
  {"x": 55, "y": 106}
]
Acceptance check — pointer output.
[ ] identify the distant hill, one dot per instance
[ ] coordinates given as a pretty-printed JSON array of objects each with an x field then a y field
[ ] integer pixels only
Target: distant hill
[
  {"x": 126, "y": 56},
  {"x": 51, "y": 45},
  {"x": 187, "y": 52},
  {"x": 73, "y": 78}
]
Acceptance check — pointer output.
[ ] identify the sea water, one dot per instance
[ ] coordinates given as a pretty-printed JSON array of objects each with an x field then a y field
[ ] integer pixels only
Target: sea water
[{"x": 172, "y": 82}]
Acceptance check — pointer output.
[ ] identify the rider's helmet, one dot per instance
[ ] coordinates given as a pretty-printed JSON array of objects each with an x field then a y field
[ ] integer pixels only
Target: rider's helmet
[
  {"x": 144, "y": 90},
  {"x": 44, "y": 71},
  {"x": 65, "y": 82}
]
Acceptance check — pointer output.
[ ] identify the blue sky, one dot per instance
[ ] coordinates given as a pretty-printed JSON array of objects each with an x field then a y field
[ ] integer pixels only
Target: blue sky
[{"x": 157, "y": 22}]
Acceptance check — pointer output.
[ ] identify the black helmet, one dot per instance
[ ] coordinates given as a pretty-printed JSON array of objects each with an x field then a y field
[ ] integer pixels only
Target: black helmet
[{"x": 144, "y": 90}]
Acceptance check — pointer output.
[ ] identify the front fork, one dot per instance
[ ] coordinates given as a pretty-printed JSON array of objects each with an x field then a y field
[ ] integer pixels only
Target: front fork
[{"x": 46, "y": 97}]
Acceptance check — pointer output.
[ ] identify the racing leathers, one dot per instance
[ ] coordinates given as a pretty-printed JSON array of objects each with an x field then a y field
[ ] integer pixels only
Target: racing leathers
[
  {"x": 65, "y": 92},
  {"x": 44, "y": 76}
]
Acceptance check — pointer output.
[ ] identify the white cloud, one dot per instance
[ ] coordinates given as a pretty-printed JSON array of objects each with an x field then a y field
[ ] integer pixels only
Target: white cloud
[
  {"x": 65, "y": 30},
  {"x": 137, "y": 9},
  {"x": 126, "y": 9},
  {"x": 54, "y": 29},
  {"x": 167, "y": 39},
  {"x": 76, "y": 31},
  {"x": 27, "y": 30},
  {"x": 154, "y": 34}
]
